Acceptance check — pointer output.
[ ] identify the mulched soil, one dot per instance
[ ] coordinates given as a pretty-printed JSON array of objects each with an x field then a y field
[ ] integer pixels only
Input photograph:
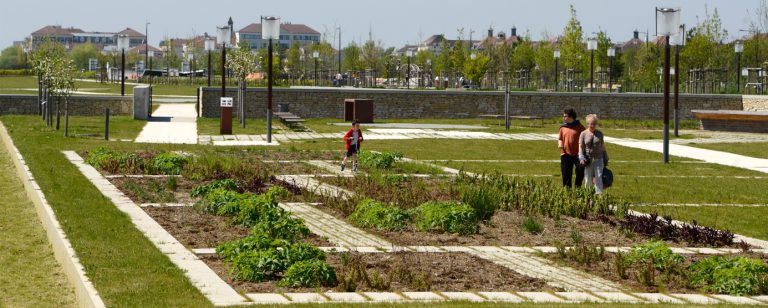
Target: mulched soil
[
  {"x": 447, "y": 271},
  {"x": 676, "y": 284},
  {"x": 195, "y": 229},
  {"x": 408, "y": 194},
  {"x": 155, "y": 190}
]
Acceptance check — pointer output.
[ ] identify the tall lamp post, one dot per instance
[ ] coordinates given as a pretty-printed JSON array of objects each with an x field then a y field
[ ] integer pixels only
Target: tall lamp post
[
  {"x": 591, "y": 46},
  {"x": 315, "y": 55},
  {"x": 738, "y": 48},
  {"x": 677, "y": 40},
  {"x": 210, "y": 45},
  {"x": 270, "y": 30},
  {"x": 611, "y": 54},
  {"x": 122, "y": 43},
  {"x": 223, "y": 38},
  {"x": 557, "y": 74},
  {"x": 408, "y": 54},
  {"x": 667, "y": 24},
  {"x": 146, "y": 47},
  {"x": 472, "y": 56}
]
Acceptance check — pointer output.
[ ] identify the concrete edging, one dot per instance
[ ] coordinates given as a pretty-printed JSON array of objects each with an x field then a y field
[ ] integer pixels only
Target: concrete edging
[{"x": 85, "y": 292}]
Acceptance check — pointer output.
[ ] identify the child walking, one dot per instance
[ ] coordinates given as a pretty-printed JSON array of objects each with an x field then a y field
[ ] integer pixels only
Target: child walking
[{"x": 353, "y": 138}]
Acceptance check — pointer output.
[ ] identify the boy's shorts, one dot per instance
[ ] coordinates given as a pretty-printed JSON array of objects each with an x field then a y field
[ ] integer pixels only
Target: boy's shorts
[{"x": 351, "y": 151}]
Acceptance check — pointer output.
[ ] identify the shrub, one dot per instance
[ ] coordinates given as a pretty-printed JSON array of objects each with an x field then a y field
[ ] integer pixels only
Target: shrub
[
  {"x": 483, "y": 199},
  {"x": 169, "y": 163},
  {"x": 202, "y": 190},
  {"x": 113, "y": 161},
  {"x": 665, "y": 229},
  {"x": 376, "y": 160},
  {"x": 532, "y": 226},
  {"x": 735, "y": 276},
  {"x": 309, "y": 274},
  {"x": 447, "y": 216},
  {"x": 207, "y": 167},
  {"x": 259, "y": 257},
  {"x": 647, "y": 258},
  {"x": 582, "y": 254},
  {"x": 373, "y": 214}
]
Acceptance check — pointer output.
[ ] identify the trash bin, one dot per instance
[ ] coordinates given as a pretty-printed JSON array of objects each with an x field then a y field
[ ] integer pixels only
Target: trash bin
[{"x": 357, "y": 109}]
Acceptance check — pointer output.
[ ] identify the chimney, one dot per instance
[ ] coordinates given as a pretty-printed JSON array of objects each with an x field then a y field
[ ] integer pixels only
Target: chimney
[
  {"x": 490, "y": 32},
  {"x": 513, "y": 32},
  {"x": 501, "y": 35},
  {"x": 636, "y": 34}
]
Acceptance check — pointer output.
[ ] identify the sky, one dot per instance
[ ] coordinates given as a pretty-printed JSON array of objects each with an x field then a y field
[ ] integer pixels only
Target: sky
[{"x": 392, "y": 22}]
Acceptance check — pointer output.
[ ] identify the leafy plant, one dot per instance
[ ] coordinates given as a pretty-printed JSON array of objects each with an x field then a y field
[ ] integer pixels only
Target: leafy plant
[
  {"x": 113, "y": 161},
  {"x": 647, "y": 258},
  {"x": 447, "y": 216},
  {"x": 665, "y": 229},
  {"x": 735, "y": 276},
  {"x": 202, "y": 190},
  {"x": 169, "y": 163},
  {"x": 582, "y": 254},
  {"x": 383, "y": 160},
  {"x": 372, "y": 214},
  {"x": 532, "y": 226},
  {"x": 482, "y": 198},
  {"x": 309, "y": 274}
]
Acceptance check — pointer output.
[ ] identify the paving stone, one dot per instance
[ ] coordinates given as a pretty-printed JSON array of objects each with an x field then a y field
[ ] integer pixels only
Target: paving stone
[
  {"x": 696, "y": 298},
  {"x": 704, "y": 250},
  {"x": 487, "y": 248},
  {"x": 204, "y": 251},
  {"x": 742, "y": 300},
  {"x": 579, "y": 297},
  {"x": 618, "y": 297},
  {"x": 541, "y": 297},
  {"x": 306, "y": 297},
  {"x": 426, "y": 248},
  {"x": 268, "y": 298},
  {"x": 463, "y": 296},
  {"x": 519, "y": 249},
  {"x": 680, "y": 250},
  {"x": 617, "y": 249},
  {"x": 501, "y": 297},
  {"x": 384, "y": 296},
  {"x": 455, "y": 248},
  {"x": 762, "y": 298},
  {"x": 423, "y": 296},
  {"x": 545, "y": 249},
  {"x": 658, "y": 298},
  {"x": 345, "y": 297}
]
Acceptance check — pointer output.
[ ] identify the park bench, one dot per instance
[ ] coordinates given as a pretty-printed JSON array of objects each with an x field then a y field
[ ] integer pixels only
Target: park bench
[
  {"x": 733, "y": 120},
  {"x": 291, "y": 120}
]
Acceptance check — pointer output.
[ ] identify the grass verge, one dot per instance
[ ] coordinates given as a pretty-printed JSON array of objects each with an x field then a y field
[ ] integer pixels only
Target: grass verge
[{"x": 751, "y": 149}]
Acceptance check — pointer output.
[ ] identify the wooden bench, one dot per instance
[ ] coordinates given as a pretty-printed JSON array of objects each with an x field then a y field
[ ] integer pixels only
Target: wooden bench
[{"x": 733, "y": 120}]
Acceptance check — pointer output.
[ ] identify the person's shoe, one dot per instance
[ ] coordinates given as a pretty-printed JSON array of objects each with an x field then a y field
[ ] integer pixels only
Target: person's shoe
[
  {"x": 342, "y": 167},
  {"x": 354, "y": 168}
]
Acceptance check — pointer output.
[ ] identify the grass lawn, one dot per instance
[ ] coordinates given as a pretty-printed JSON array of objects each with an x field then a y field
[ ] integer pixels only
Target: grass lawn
[
  {"x": 10, "y": 85},
  {"x": 31, "y": 277},
  {"x": 749, "y": 221},
  {"x": 210, "y": 126},
  {"x": 752, "y": 149}
]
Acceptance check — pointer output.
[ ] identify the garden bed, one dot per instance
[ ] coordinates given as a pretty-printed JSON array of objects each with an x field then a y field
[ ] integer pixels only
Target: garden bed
[{"x": 433, "y": 272}]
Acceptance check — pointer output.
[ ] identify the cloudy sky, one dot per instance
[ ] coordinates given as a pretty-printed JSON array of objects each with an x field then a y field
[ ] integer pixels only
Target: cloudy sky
[{"x": 393, "y": 22}]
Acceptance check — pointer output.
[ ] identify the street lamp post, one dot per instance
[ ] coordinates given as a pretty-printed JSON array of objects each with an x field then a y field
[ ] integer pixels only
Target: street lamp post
[
  {"x": 408, "y": 54},
  {"x": 223, "y": 37},
  {"x": 472, "y": 56},
  {"x": 122, "y": 43},
  {"x": 210, "y": 45},
  {"x": 738, "y": 48},
  {"x": 146, "y": 47},
  {"x": 667, "y": 24},
  {"x": 591, "y": 46},
  {"x": 315, "y": 55},
  {"x": 677, "y": 40},
  {"x": 611, "y": 54},
  {"x": 557, "y": 74},
  {"x": 270, "y": 30}
]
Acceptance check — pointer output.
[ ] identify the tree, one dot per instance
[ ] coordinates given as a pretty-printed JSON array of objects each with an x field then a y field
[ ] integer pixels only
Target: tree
[
  {"x": 351, "y": 61},
  {"x": 12, "y": 58},
  {"x": 371, "y": 54},
  {"x": 475, "y": 69},
  {"x": 572, "y": 46},
  {"x": 545, "y": 58},
  {"x": 58, "y": 74},
  {"x": 82, "y": 53},
  {"x": 242, "y": 62}
]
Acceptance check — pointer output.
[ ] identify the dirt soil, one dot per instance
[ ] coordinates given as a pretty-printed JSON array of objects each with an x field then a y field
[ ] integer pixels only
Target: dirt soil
[
  {"x": 195, "y": 229},
  {"x": 155, "y": 190},
  {"x": 676, "y": 284},
  {"x": 447, "y": 272}
]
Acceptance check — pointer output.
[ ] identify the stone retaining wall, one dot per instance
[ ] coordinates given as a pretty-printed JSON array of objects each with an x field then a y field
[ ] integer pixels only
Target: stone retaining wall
[
  {"x": 78, "y": 105},
  {"x": 755, "y": 103},
  {"x": 328, "y": 103}
]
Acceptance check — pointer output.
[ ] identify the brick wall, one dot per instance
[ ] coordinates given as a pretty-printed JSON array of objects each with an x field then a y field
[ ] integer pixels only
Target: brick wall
[
  {"x": 78, "y": 105},
  {"x": 328, "y": 103}
]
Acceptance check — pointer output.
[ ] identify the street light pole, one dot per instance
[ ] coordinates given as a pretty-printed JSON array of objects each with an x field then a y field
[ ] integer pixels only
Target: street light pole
[
  {"x": 270, "y": 30},
  {"x": 557, "y": 73},
  {"x": 592, "y": 45},
  {"x": 122, "y": 43},
  {"x": 611, "y": 54},
  {"x": 146, "y": 47},
  {"x": 339, "y": 28},
  {"x": 408, "y": 54},
  {"x": 315, "y": 55},
  {"x": 667, "y": 24},
  {"x": 738, "y": 47}
]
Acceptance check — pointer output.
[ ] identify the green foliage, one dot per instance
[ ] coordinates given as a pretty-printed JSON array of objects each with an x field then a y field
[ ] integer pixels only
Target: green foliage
[
  {"x": 581, "y": 254},
  {"x": 210, "y": 166},
  {"x": 169, "y": 163},
  {"x": 372, "y": 214},
  {"x": 572, "y": 43},
  {"x": 114, "y": 161},
  {"x": 734, "y": 276},
  {"x": 450, "y": 217},
  {"x": 82, "y": 53},
  {"x": 383, "y": 160},
  {"x": 474, "y": 69},
  {"x": 12, "y": 57},
  {"x": 656, "y": 253},
  {"x": 532, "y": 226},
  {"x": 203, "y": 190},
  {"x": 309, "y": 274},
  {"x": 483, "y": 199}
]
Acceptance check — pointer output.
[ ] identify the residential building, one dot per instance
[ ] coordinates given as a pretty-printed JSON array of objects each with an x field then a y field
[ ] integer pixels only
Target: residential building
[
  {"x": 72, "y": 36},
  {"x": 289, "y": 33}
]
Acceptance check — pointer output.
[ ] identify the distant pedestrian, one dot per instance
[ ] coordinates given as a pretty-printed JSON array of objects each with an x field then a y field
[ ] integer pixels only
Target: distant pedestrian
[
  {"x": 568, "y": 142},
  {"x": 592, "y": 154},
  {"x": 352, "y": 139}
]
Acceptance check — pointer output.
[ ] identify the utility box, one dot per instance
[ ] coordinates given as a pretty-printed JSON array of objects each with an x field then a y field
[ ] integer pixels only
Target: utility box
[
  {"x": 142, "y": 102},
  {"x": 357, "y": 109}
]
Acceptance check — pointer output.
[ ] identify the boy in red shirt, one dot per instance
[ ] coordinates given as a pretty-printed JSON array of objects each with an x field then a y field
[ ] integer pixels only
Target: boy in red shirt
[
  {"x": 568, "y": 142},
  {"x": 353, "y": 138}
]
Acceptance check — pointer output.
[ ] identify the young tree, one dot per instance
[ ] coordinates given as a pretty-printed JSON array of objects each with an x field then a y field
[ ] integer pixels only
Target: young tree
[
  {"x": 572, "y": 43},
  {"x": 12, "y": 57},
  {"x": 82, "y": 53},
  {"x": 475, "y": 69},
  {"x": 242, "y": 62},
  {"x": 351, "y": 60}
]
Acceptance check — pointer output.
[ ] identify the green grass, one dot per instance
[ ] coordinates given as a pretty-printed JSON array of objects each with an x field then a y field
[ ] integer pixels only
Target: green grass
[
  {"x": 752, "y": 149},
  {"x": 124, "y": 266},
  {"x": 30, "y": 277},
  {"x": 749, "y": 221},
  {"x": 211, "y": 126},
  {"x": 10, "y": 85}
]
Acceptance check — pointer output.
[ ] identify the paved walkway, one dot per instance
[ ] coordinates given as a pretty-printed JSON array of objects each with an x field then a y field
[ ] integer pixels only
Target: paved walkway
[
  {"x": 377, "y": 134},
  {"x": 171, "y": 123}
]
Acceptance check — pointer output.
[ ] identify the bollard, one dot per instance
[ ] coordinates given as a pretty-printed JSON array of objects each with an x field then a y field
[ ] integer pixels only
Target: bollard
[{"x": 106, "y": 126}]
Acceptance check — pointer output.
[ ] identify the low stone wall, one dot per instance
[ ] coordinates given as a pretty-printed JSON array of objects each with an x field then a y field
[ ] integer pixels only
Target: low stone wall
[
  {"x": 755, "y": 103},
  {"x": 78, "y": 105},
  {"x": 328, "y": 103}
]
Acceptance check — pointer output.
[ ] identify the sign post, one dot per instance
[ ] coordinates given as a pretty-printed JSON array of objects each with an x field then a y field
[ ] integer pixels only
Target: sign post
[{"x": 226, "y": 116}]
